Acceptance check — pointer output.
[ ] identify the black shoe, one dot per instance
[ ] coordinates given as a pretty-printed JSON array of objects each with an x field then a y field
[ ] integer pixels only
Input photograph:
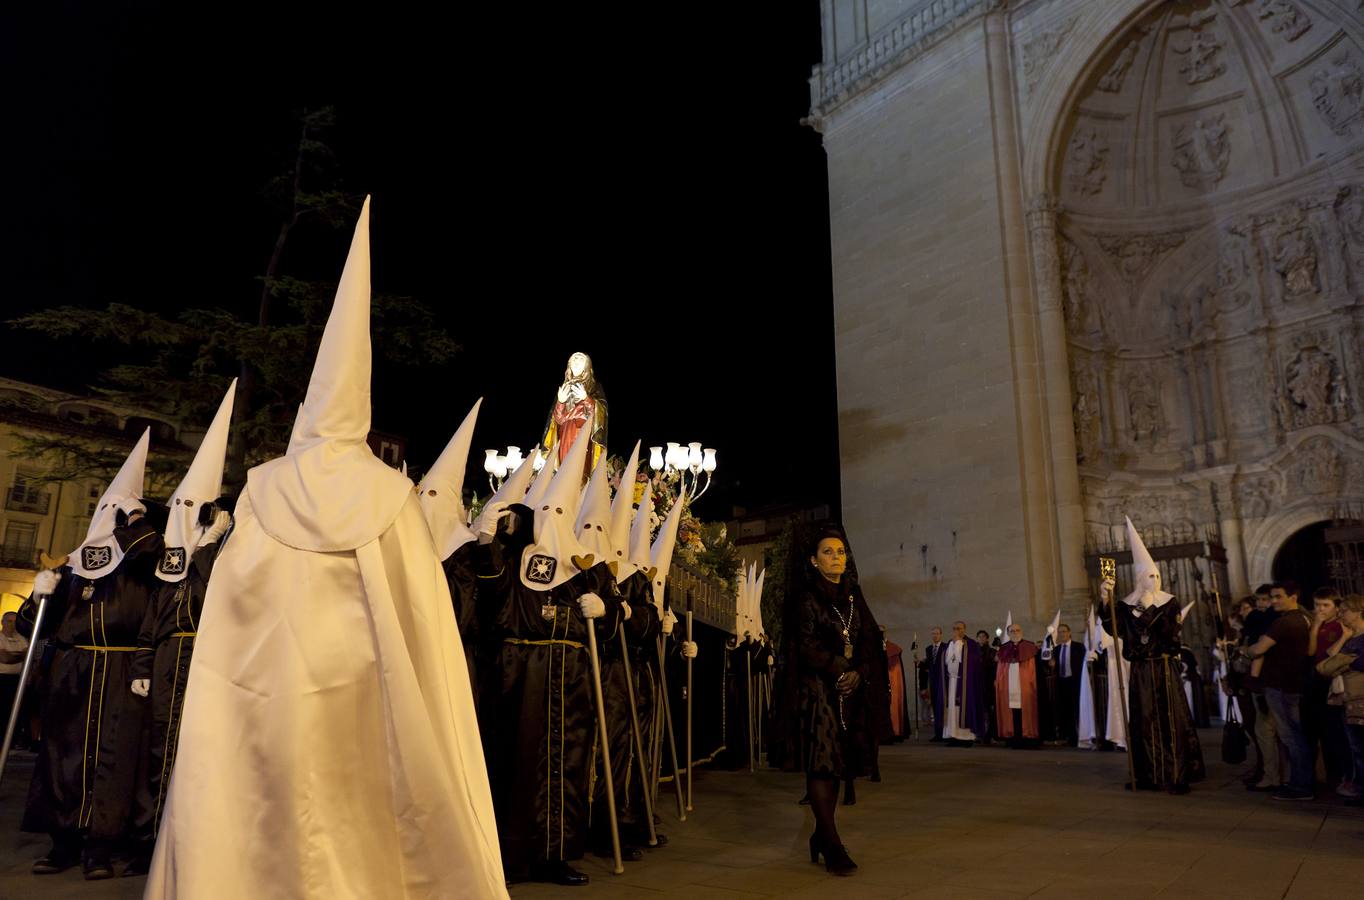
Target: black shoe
[
  {"x": 55, "y": 861},
  {"x": 97, "y": 868},
  {"x": 1291, "y": 793},
  {"x": 627, "y": 853},
  {"x": 558, "y": 872},
  {"x": 876, "y": 779},
  {"x": 1179, "y": 789},
  {"x": 804, "y": 801},
  {"x": 138, "y": 865},
  {"x": 836, "y": 858},
  {"x": 1141, "y": 786},
  {"x": 936, "y": 740}
]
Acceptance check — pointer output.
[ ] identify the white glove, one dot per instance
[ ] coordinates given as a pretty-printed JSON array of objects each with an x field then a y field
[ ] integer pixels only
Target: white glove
[
  {"x": 141, "y": 686},
  {"x": 669, "y": 620},
  {"x": 1091, "y": 656},
  {"x": 492, "y": 514},
  {"x": 222, "y": 520},
  {"x": 771, "y": 660},
  {"x": 46, "y": 582},
  {"x": 689, "y": 649},
  {"x": 591, "y": 606},
  {"x": 625, "y": 607}
]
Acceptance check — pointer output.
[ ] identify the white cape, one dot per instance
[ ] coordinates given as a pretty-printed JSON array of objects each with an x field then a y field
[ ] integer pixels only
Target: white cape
[
  {"x": 329, "y": 747},
  {"x": 1116, "y": 703}
]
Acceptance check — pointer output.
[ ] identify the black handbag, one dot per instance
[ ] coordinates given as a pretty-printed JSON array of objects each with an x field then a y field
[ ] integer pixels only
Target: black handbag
[{"x": 1234, "y": 739}]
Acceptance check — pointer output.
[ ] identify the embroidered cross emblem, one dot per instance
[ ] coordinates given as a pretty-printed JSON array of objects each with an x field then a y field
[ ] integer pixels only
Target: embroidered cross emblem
[{"x": 540, "y": 569}]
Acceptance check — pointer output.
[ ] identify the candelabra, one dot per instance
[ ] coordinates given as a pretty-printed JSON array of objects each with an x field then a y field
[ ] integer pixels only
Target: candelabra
[
  {"x": 687, "y": 466},
  {"x": 500, "y": 465}
]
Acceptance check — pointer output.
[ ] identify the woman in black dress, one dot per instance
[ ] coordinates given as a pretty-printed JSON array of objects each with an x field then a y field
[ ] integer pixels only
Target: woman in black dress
[{"x": 841, "y": 706}]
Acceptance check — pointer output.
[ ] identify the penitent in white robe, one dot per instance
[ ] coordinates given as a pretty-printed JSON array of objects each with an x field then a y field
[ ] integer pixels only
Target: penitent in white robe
[
  {"x": 1113, "y": 727},
  {"x": 329, "y": 747}
]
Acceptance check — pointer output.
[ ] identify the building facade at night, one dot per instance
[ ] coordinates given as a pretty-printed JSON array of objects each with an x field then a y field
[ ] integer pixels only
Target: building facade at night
[{"x": 1092, "y": 260}]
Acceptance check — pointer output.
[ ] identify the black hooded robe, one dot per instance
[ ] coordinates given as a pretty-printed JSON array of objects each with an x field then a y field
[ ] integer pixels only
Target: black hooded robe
[
  {"x": 538, "y": 717},
  {"x": 86, "y": 782},
  {"x": 165, "y": 645},
  {"x": 1165, "y": 748}
]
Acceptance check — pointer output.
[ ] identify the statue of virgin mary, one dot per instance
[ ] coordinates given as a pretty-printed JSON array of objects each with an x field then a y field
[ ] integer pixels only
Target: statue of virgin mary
[{"x": 579, "y": 408}]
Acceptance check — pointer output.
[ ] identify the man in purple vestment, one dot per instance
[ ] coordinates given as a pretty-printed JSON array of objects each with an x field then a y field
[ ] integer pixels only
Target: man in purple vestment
[{"x": 958, "y": 701}]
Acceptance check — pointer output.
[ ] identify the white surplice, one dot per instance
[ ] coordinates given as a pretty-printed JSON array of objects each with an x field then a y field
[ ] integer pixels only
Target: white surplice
[{"x": 950, "y": 729}]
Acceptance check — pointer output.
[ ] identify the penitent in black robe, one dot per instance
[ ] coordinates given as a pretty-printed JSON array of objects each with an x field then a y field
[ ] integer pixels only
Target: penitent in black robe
[
  {"x": 538, "y": 715},
  {"x": 86, "y": 781},
  {"x": 462, "y": 570},
  {"x": 1165, "y": 748},
  {"x": 165, "y": 646}
]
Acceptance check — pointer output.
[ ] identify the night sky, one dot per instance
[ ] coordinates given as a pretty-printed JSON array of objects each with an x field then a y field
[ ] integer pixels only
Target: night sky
[{"x": 633, "y": 184}]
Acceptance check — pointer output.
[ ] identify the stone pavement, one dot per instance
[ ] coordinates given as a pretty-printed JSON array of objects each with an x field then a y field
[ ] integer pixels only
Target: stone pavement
[{"x": 950, "y": 823}]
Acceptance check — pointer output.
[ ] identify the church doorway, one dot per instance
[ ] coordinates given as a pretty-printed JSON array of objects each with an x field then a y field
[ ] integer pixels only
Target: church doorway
[
  {"x": 1324, "y": 554},
  {"x": 1302, "y": 558}
]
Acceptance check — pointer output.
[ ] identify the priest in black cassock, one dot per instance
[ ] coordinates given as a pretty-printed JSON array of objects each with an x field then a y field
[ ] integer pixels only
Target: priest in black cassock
[
  {"x": 1164, "y": 745},
  {"x": 86, "y": 791}
]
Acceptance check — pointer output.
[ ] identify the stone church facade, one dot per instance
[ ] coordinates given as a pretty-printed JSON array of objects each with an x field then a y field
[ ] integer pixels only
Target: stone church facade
[{"x": 1091, "y": 259}]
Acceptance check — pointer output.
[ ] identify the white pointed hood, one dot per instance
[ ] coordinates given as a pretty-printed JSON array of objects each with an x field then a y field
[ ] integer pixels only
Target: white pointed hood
[
  {"x": 623, "y": 507},
  {"x": 1008, "y": 623},
  {"x": 329, "y": 492},
  {"x": 741, "y": 602},
  {"x": 540, "y": 486},
  {"x": 637, "y": 554},
  {"x": 441, "y": 492},
  {"x": 593, "y": 524},
  {"x": 661, "y": 554},
  {"x": 203, "y": 483},
  {"x": 99, "y": 554},
  {"x": 1184, "y": 613},
  {"x": 554, "y": 555},
  {"x": 1146, "y": 588},
  {"x": 1053, "y": 630},
  {"x": 756, "y": 603}
]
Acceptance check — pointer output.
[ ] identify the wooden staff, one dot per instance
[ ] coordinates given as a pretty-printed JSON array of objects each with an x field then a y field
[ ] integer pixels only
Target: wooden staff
[
  {"x": 690, "y": 768},
  {"x": 619, "y": 868},
  {"x": 639, "y": 739},
  {"x": 23, "y": 682},
  {"x": 668, "y": 722},
  {"x": 1108, "y": 570}
]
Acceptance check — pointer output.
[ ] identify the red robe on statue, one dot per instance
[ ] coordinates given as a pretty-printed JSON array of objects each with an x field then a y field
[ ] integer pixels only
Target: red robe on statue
[{"x": 1025, "y": 654}]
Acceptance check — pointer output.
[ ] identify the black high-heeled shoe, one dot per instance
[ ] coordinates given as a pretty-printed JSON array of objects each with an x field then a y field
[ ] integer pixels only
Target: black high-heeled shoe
[{"x": 836, "y": 858}]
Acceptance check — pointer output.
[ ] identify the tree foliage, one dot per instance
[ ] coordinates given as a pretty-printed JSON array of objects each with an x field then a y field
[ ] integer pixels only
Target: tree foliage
[{"x": 179, "y": 364}]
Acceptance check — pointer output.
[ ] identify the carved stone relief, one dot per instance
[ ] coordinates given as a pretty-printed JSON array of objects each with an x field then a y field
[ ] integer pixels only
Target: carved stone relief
[
  {"x": 1202, "y": 150},
  {"x": 1338, "y": 93},
  {"x": 1082, "y": 314},
  {"x": 1134, "y": 255},
  {"x": 1283, "y": 18},
  {"x": 1316, "y": 468},
  {"x": 1087, "y": 159},
  {"x": 1235, "y": 280},
  {"x": 1039, "y": 51},
  {"x": 1145, "y": 412},
  {"x": 1294, "y": 248},
  {"x": 1257, "y": 495},
  {"x": 1314, "y": 386},
  {"x": 1112, "y": 80},
  {"x": 1203, "y": 50},
  {"x": 1086, "y": 413},
  {"x": 1249, "y": 404}
]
